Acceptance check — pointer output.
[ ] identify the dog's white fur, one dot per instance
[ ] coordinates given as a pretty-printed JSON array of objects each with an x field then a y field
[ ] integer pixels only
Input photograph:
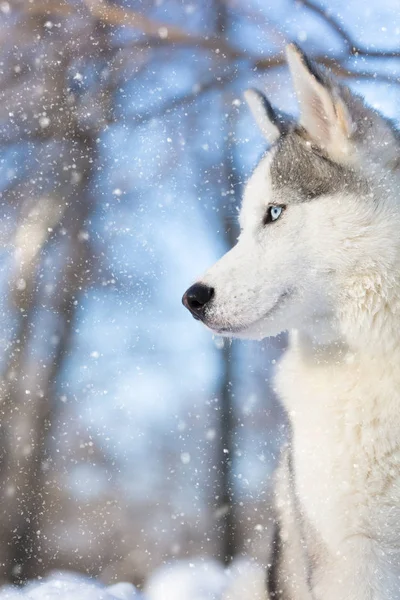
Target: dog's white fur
[{"x": 329, "y": 272}]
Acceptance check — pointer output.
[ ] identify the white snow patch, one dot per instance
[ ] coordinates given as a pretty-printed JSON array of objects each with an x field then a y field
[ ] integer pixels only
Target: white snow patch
[
  {"x": 187, "y": 580},
  {"x": 192, "y": 579},
  {"x": 5, "y": 8},
  {"x": 68, "y": 586},
  {"x": 185, "y": 458},
  {"x": 207, "y": 579}
]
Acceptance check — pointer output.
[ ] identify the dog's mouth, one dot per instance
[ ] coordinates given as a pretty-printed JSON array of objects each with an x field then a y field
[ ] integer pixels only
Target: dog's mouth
[{"x": 231, "y": 329}]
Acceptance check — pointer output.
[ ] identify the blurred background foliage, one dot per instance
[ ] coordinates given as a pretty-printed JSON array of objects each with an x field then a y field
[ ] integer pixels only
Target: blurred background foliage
[{"x": 128, "y": 434}]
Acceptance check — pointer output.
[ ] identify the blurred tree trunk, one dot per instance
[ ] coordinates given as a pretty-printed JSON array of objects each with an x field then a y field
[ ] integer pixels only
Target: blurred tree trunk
[
  {"x": 78, "y": 262},
  {"x": 51, "y": 245},
  {"x": 29, "y": 388},
  {"x": 230, "y": 527}
]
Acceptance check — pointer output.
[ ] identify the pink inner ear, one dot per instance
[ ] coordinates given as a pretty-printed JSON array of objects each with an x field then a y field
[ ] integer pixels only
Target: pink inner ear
[{"x": 320, "y": 117}]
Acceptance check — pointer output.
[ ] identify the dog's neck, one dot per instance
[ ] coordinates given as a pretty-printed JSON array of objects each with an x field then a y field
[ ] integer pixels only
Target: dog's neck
[
  {"x": 370, "y": 317},
  {"x": 368, "y": 326}
]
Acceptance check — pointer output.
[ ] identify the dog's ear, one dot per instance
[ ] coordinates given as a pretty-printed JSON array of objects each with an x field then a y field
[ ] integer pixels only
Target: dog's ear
[
  {"x": 270, "y": 123},
  {"x": 323, "y": 112}
]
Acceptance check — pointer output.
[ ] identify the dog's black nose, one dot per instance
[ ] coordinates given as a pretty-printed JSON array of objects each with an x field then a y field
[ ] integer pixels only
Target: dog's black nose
[{"x": 196, "y": 298}]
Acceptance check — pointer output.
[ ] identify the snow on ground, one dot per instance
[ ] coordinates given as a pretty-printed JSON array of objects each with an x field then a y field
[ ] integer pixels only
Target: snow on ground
[
  {"x": 68, "y": 586},
  {"x": 206, "y": 579},
  {"x": 198, "y": 579}
]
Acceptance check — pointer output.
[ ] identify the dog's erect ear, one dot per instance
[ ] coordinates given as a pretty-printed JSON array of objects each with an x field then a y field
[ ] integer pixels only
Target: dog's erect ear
[
  {"x": 270, "y": 123},
  {"x": 323, "y": 113}
]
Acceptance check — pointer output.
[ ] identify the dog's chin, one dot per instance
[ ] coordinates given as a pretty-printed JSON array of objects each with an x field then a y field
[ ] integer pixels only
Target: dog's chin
[
  {"x": 258, "y": 330},
  {"x": 270, "y": 324}
]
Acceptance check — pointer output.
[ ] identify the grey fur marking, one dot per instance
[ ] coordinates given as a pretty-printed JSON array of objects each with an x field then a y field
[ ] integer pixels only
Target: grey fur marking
[{"x": 303, "y": 172}]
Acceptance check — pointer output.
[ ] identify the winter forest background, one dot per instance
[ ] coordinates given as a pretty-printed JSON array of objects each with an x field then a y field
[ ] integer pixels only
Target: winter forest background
[{"x": 129, "y": 435}]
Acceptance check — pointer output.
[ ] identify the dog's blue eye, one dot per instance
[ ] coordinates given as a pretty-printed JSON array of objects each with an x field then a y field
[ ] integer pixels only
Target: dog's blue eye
[{"x": 273, "y": 213}]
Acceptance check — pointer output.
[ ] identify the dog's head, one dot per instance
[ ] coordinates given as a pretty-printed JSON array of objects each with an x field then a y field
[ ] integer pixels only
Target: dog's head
[{"x": 315, "y": 217}]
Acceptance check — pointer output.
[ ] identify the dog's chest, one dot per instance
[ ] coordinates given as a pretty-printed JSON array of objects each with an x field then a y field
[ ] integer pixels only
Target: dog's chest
[{"x": 346, "y": 449}]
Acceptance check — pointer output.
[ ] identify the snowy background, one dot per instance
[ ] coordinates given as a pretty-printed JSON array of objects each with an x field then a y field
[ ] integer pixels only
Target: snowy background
[{"x": 129, "y": 436}]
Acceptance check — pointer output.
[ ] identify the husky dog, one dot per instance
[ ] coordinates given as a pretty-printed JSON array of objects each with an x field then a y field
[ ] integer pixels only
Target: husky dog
[{"x": 319, "y": 255}]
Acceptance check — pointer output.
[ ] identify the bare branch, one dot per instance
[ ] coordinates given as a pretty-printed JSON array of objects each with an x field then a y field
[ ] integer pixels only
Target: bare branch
[
  {"x": 46, "y": 7},
  {"x": 352, "y": 47},
  {"x": 171, "y": 34},
  {"x": 162, "y": 34},
  {"x": 274, "y": 61},
  {"x": 184, "y": 100},
  {"x": 264, "y": 64},
  {"x": 275, "y": 35}
]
